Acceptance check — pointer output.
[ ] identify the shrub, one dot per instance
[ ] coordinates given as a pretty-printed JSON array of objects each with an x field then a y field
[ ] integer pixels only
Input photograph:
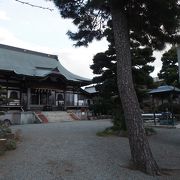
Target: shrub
[
  {"x": 118, "y": 120},
  {"x": 10, "y": 145},
  {"x": 8, "y": 130},
  {"x": 3, "y": 131},
  {"x": 107, "y": 132},
  {"x": 150, "y": 131},
  {"x": 112, "y": 131},
  {"x": 6, "y": 133},
  {"x": 1, "y": 113}
]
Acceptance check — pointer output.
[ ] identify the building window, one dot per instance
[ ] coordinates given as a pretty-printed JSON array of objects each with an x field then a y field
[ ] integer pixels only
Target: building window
[
  {"x": 13, "y": 94},
  {"x": 59, "y": 99},
  {"x": 14, "y": 97}
]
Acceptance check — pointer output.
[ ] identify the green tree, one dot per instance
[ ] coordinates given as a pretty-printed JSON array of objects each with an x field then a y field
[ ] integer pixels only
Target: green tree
[
  {"x": 145, "y": 21},
  {"x": 104, "y": 65},
  {"x": 169, "y": 71}
]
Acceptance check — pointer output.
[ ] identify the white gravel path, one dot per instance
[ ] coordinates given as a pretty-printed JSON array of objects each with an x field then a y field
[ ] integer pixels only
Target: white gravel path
[{"x": 72, "y": 151}]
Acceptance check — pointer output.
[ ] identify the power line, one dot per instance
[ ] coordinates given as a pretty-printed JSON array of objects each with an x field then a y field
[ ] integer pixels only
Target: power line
[{"x": 36, "y": 6}]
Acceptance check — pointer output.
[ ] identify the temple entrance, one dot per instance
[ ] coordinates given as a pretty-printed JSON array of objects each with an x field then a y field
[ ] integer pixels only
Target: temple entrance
[
  {"x": 60, "y": 100},
  {"x": 42, "y": 97}
]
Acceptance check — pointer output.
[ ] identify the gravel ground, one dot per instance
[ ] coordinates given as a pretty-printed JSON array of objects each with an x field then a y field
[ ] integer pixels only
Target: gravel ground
[{"x": 72, "y": 151}]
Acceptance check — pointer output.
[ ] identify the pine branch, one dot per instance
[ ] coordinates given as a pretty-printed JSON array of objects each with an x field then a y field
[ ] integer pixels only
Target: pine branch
[{"x": 36, "y": 6}]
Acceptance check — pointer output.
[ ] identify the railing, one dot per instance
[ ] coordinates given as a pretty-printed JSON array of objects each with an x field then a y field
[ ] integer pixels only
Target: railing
[
  {"x": 150, "y": 116},
  {"x": 80, "y": 103}
]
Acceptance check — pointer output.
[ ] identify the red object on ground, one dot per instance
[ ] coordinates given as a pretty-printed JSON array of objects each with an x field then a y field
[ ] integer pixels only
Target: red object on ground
[
  {"x": 74, "y": 116},
  {"x": 42, "y": 117}
]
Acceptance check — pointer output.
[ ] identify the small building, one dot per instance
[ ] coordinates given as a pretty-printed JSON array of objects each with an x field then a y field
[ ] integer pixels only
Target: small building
[
  {"x": 91, "y": 93},
  {"x": 91, "y": 90},
  {"x": 165, "y": 95},
  {"x": 38, "y": 81}
]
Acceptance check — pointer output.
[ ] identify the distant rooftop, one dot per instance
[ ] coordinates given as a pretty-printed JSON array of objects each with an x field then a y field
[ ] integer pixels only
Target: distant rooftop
[
  {"x": 90, "y": 89},
  {"x": 31, "y": 63},
  {"x": 164, "y": 89}
]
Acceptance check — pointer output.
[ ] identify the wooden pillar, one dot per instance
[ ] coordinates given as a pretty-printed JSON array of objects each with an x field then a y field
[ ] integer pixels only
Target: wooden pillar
[
  {"x": 65, "y": 100},
  {"x": 46, "y": 94},
  {"x": 20, "y": 101},
  {"x": 54, "y": 92},
  {"x": 7, "y": 91},
  {"x": 154, "y": 115},
  {"x": 39, "y": 97},
  {"x": 172, "y": 110},
  {"x": 78, "y": 99},
  {"x": 28, "y": 98}
]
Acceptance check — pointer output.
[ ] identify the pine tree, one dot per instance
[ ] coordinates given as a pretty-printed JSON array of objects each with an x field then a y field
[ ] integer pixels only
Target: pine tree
[
  {"x": 147, "y": 22},
  {"x": 169, "y": 71},
  {"x": 104, "y": 65}
]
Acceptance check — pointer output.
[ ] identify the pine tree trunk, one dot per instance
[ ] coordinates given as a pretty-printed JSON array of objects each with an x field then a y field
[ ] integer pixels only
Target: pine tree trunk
[{"x": 140, "y": 150}]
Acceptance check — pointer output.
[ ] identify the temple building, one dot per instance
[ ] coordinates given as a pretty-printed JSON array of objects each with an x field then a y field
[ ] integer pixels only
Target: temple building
[{"x": 37, "y": 81}]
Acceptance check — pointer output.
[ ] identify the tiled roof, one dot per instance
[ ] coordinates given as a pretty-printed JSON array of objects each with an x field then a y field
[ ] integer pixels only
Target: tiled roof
[
  {"x": 32, "y": 63},
  {"x": 90, "y": 89},
  {"x": 164, "y": 89}
]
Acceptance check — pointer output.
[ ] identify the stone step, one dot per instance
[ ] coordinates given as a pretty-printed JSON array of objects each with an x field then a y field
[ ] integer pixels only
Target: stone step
[{"x": 57, "y": 116}]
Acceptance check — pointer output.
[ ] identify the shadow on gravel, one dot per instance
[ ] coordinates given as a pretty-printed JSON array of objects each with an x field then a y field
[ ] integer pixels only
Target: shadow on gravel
[
  {"x": 60, "y": 168},
  {"x": 164, "y": 171}
]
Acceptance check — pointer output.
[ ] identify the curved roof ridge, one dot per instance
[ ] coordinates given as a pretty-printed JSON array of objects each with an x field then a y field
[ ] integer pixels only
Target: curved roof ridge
[
  {"x": 32, "y": 63},
  {"x": 28, "y": 51},
  {"x": 72, "y": 75}
]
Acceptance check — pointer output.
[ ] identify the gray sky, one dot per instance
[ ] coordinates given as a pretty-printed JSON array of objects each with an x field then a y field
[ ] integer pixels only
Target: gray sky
[{"x": 42, "y": 30}]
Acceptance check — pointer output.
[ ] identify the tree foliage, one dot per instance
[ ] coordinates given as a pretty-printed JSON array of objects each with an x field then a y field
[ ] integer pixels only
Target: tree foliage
[
  {"x": 147, "y": 20},
  {"x": 146, "y": 23},
  {"x": 104, "y": 65},
  {"x": 169, "y": 72}
]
